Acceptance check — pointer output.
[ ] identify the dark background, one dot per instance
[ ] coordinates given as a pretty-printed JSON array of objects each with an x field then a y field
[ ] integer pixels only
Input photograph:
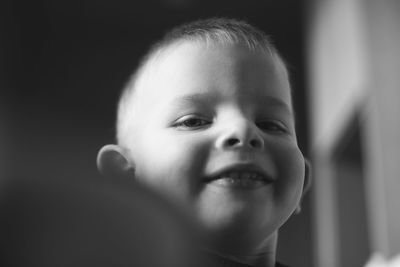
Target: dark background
[{"x": 64, "y": 63}]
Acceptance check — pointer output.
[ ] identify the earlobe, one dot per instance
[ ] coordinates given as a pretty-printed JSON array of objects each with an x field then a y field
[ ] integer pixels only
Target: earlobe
[
  {"x": 113, "y": 161},
  {"x": 307, "y": 176}
]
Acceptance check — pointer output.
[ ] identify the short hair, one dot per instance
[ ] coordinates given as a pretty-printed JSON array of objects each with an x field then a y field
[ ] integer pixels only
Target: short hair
[{"x": 223, "y": 31}]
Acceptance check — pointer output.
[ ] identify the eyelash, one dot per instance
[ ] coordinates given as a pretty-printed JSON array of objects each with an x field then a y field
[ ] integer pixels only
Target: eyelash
[
  {"x": 270, "y": 126},
  {"x": 185, "y": 122}
]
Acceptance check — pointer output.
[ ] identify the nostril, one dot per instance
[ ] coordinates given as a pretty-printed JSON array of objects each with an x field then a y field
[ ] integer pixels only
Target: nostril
[
  {"x": 232, "y": 141},
  {"x": 255, "y": 143}
]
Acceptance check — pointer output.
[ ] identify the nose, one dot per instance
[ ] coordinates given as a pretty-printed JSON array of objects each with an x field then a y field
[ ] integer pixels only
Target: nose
[{"x": 242, "y": 134}]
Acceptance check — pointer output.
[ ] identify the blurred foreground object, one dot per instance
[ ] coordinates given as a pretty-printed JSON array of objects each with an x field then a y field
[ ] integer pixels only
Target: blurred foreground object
[
  {"x": 49, "y": 223},
  {"x": 377, "y": 260}
]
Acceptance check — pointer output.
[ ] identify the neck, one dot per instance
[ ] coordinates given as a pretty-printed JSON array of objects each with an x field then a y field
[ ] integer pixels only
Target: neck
[{"x": 264, "y": 256}]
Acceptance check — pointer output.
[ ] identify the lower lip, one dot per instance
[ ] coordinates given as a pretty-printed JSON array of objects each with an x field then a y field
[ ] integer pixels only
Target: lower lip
[{"x": 239, "y": 183}]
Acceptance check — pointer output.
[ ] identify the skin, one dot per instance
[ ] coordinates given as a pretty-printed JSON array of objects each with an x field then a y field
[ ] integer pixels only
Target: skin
[{"x": 201, "y": 108}]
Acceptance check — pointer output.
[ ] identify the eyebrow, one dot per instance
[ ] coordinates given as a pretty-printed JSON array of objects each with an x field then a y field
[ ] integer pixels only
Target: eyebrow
[
  {"x": 276, "y": 102},
  {"x": 204, "y": 98},
  {"x": 201, "y": 98}
]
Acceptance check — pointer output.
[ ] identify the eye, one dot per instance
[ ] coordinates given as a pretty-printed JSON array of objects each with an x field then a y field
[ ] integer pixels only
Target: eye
[
  {"x": 190, "y": 122},
  {"x": 272, "y": 126}
]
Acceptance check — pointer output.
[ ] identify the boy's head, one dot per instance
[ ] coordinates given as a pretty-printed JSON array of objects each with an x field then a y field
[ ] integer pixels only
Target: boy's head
[{"x": 207, "y": 118}]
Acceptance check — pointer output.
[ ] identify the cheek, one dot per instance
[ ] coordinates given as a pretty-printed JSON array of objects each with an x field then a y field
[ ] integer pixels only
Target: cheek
[
  {"x": 173, "y": 162},
  {"x": 291, "y": 169}
]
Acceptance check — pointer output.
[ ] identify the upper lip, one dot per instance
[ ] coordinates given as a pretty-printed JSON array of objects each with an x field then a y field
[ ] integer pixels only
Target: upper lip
[{"x": 240, "y": 167}]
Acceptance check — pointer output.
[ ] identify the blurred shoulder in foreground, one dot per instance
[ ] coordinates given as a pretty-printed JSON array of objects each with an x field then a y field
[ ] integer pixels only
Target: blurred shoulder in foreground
[{"x": 92, "y": 223}]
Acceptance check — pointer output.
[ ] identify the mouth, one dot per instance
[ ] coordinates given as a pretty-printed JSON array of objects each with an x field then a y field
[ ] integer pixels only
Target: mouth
[{"x": 241, "y": 176}]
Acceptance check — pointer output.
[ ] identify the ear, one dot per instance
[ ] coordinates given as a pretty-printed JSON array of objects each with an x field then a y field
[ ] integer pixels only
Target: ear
[
  {"x": 112, "y": 160},
  {"x": 307, "y": 176},
  {"x": 306, "y": 183}
]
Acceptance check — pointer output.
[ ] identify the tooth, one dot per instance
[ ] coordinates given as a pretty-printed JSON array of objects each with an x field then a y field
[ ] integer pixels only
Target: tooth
[{"x": 221, "y": 181}]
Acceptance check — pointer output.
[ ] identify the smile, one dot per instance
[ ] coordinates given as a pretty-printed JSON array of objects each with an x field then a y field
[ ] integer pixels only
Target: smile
[{"x": 240, "y": 176}]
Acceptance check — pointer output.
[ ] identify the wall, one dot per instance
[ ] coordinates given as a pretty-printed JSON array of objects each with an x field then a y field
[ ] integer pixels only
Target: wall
[{"x": 353, "y": 73}]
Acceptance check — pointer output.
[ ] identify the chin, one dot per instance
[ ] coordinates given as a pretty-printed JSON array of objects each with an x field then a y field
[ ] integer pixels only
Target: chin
[
  {"x": 236, "y": 240},
  {"x": 239, "y": 232}
]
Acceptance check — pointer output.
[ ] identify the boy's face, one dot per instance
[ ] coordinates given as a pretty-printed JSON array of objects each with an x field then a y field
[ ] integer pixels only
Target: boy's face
[{"x": 213, "y": 126}]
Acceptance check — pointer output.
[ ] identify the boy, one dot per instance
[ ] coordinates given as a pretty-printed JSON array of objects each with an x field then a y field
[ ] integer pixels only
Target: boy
[{"x": 207, "y": 119}]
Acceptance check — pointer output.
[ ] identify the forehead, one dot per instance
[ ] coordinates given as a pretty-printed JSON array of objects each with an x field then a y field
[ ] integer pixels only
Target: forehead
[{"x": 221, "y": 70}]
